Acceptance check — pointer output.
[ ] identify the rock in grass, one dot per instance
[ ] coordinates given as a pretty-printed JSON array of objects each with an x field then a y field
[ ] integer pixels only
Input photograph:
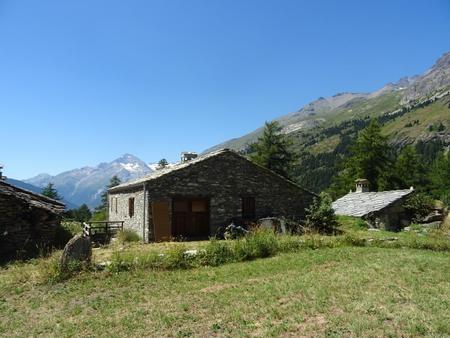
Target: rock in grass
[{"x": 78, "y": 249}]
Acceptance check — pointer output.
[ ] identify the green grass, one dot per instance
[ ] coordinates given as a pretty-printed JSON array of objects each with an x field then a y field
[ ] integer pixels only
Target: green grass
[
  {"x": 358, "y": 284},
  {"x": 333, "y": 291},
  {"x": 433, "y": 113}
]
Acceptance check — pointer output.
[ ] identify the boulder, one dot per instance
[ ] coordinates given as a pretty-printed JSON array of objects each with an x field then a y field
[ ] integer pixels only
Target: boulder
[
  {"x": 434, "y": 216},
  {"x": 79, "y": 248}
]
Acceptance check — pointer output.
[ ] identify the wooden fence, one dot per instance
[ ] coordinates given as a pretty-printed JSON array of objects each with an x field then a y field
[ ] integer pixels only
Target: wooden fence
[{"x": 102, "y": 231}]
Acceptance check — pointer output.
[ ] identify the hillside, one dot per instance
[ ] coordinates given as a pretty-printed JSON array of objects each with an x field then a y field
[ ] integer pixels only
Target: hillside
[
  {"x": 327, "y": 112},
  {"x": 413, "y": 110}
]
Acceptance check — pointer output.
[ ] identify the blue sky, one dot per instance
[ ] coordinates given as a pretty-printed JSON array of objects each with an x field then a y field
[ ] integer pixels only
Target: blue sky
[{"x": 83, "y": 82}]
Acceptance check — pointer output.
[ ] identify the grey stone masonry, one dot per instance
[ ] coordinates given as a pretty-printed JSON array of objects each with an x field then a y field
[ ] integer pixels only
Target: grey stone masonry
[
  {"x": 224, "y": 178},
  {"x": 28, "y": 221}
]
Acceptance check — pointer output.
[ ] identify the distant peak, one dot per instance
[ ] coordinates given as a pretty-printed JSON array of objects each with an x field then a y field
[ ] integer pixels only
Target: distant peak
[
  {"x": 443, "y": 61},
  {"x": 127, "y": 158}
]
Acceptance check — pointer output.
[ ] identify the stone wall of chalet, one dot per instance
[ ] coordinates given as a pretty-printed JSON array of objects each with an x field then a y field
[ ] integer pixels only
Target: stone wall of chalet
[
  {"x": 225, "y": 179},
  {"x": 24, "y": 228},
  {"x": 119, "y": 210}
]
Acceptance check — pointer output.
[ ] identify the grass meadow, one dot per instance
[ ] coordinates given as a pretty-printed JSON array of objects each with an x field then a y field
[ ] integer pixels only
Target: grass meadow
[{"x": 358, "y": 284}]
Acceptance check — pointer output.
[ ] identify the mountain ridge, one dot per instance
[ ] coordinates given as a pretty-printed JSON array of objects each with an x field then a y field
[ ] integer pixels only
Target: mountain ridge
[
  {"x": 328, "y": 110},
  {"x": 86, "y": 184}
]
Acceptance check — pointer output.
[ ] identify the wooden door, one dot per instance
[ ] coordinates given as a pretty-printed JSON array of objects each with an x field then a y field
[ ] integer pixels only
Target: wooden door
[
  {"x": 161, "y": 221},
  {"x": 190, "y": 218}
]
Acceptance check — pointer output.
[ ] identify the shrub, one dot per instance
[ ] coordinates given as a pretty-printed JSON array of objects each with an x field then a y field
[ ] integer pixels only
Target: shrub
[
  {"x": 418, "y": 206},
  {"x": 217, "y": 253},
  {"x": 257, "y": 244},
  {"x": 128, "y": 235},
  {"x": 320, "y": 215},
  {"x": 64, "y": 232},
  {"x": 177, "y": 258}
]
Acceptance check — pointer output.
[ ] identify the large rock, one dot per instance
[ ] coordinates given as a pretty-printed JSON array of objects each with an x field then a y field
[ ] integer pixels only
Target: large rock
[{"x": 79, "y": 249}]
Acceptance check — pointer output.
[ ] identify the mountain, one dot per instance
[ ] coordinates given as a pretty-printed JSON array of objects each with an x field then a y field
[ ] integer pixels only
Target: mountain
[
  {"x": 413, "y": 110},
  {"x": 326, "y": 112},
  {"x": 85, "y": 185},
  {"x": 36, "y": 190}
]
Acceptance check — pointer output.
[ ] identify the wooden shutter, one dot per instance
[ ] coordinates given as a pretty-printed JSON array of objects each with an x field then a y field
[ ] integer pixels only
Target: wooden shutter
[{"x": 161, "y": 221}]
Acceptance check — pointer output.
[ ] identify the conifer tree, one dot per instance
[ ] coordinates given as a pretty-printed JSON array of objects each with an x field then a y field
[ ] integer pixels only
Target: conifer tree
[
  {"x": 272, "y": 150},
  {"x": 51, "y": 192},
  {"x": 409, "y": 170},
  {"x": 162, "y": 163},
  {"x": 369, "y": 158}
]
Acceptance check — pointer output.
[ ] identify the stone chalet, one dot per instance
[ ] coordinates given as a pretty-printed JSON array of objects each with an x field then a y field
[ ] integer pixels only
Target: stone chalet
[
  {"x": 383, "y": 209},
  {"x": 193, "y": 199},
  {"x": 28, "y": 221}
]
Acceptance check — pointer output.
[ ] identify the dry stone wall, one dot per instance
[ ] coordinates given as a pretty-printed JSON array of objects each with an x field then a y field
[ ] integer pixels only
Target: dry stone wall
[{"x": 224, "y": 179}]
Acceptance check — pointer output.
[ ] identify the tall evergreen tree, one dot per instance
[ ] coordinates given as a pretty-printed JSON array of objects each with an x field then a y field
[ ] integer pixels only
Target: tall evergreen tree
[
  {"x": 409, "y": 170},
  {"x": 440, "y": 177},
  {"x": 51, "y": 192},
  {"x": 369, "y": 158},
  {"x": 272, "y": 150},
  {"x": 82, "y": 214}
]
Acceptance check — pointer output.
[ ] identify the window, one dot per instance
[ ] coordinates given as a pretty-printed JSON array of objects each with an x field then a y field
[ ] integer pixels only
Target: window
[
  {"x": 116, "y": 204},
  {"x": 131, "y": 206},
  {"x": 111, "y": 203},
  {"x": 248, "y": 208}
]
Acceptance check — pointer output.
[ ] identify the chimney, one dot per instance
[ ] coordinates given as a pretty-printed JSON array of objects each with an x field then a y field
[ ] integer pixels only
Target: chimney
[
  {"x": 362, "y": 185},
  {"x": 2, "y": 178},
  {"x": 186, "y": 156}
]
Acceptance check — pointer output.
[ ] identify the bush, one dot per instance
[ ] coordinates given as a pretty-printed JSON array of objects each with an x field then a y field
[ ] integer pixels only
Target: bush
[
  {"x": 260, "y": 243},
  {"x": 64, "y": 232},
  {"x": 418, "y": 206},
  {"x": 128, "y": 235},
  {"x": 217, "y": 253},
  {"x": 320, "y": 215},
  {"x": 177, "y": 258}
]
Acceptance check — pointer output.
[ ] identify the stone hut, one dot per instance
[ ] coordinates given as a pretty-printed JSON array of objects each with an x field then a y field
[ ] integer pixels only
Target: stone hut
[
  {"x": 196, "y": 197},
  {"x": 28, "y": 221},
  {"x": 382, "y": 209}
]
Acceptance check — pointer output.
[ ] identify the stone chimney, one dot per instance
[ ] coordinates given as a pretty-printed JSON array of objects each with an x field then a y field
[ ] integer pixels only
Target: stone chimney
[
  {"x": 186, "y": 156},
  {"x": 2, "y": 178},
  {"x": 362, "y": 185}
]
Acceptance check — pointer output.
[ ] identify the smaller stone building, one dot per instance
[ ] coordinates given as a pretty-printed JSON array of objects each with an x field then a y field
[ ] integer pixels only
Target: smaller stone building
[
  {"x": 28, "y": 221},
  {"x": 196, "y": 197},
  {"x": 381, "y": 209}
]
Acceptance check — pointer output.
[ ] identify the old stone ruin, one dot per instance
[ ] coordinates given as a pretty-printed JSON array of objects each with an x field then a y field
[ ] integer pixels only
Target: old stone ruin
[{"x": 28, "y": 221}]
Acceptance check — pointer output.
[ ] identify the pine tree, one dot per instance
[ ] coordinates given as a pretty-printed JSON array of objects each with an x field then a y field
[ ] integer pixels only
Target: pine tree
[
  {"x": 272, "y": 150},
  {"x": 369, "y": 158},
  {"x": 162, "y": 163},
  {"x": 51, "y": 192},
  {"x": 409, "y": 170},
  {"x": 440, "y": 177},
  {"x": 82, "y": 214}
]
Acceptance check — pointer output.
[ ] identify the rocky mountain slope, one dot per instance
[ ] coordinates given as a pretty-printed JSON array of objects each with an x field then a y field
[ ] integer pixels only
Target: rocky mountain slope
[
  {"x": 85, "y": 185},
  {"x": 326, "y": 112},
  {"x": 413, "y": 110}
]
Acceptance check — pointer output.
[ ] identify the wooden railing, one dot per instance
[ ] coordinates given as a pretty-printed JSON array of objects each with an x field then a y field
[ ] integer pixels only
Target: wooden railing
[{"x": 101, "y": 231}]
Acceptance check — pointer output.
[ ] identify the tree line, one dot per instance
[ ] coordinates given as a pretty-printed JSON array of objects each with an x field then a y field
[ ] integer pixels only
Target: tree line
[{"x": 369, "y": 156}]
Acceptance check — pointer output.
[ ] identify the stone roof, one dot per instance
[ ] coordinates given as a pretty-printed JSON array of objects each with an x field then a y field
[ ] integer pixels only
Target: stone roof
[
  {"x": 362, "y": 203},
  {"x": 33, "y": 199},
  {"x": 180, "y": 166}
]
